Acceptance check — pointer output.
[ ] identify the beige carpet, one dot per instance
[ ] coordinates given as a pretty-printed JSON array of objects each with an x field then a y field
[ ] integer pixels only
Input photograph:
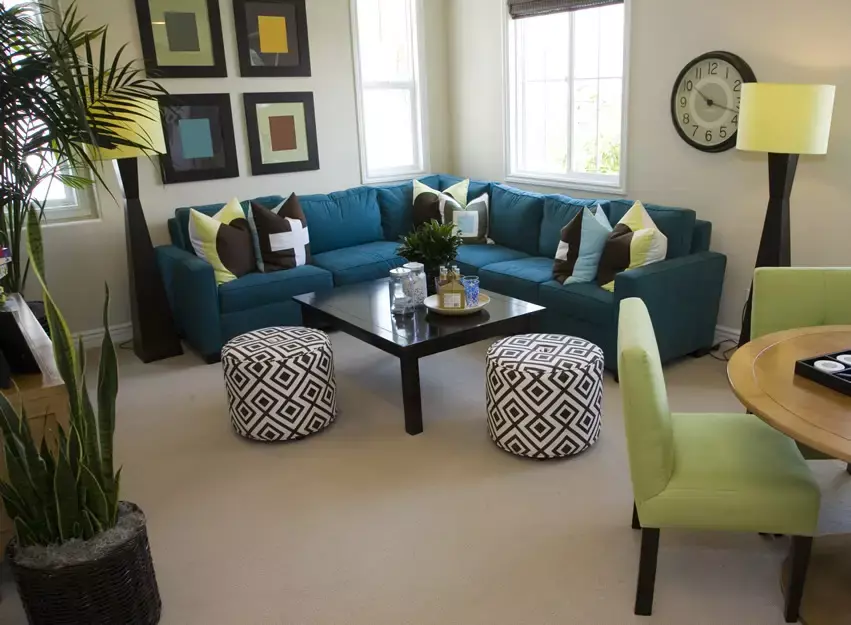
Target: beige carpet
[{"x": 366, "y": 525}]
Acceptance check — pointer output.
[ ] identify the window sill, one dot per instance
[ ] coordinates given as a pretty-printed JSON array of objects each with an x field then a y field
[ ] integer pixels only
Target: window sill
[
  {"x": 391, "y": 178},
  {"x": 573, "y": 185}
]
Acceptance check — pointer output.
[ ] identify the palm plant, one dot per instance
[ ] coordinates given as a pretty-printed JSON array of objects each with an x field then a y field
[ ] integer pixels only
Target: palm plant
[
  {"x": 71, "y": 492},
  {"x": 62, "y": 98}
]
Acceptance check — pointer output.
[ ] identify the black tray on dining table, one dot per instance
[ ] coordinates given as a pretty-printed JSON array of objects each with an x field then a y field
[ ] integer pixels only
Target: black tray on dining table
[{"x": 839, "y": 380}]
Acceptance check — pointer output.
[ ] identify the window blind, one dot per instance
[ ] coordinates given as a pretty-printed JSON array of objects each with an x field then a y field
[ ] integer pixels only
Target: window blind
[{"x": 531, "y": 8}]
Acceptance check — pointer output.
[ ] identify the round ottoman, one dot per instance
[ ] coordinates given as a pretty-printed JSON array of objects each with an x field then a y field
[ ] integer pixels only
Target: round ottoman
[
  {"x": 543, "y": 394},
  {"x": 280, "y": 383}
]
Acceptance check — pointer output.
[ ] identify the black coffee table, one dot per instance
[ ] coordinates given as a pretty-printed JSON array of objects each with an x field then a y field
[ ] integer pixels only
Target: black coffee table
[{"x": 363, "y": 310}]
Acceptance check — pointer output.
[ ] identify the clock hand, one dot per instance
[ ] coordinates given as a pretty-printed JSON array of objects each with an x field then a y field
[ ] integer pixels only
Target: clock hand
[
  {"x": 711, "y": 102},
  {"x": 708, "y": 101}
]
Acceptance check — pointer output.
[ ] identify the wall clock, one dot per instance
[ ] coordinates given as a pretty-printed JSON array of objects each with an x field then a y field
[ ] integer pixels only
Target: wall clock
[{"x": 706, "y": 98}]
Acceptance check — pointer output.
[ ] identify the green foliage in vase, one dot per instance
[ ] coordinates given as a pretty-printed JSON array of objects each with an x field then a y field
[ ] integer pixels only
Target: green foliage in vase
[
  {"x": 61, "y": 95},
  {"x": 433, "y": 244},
  {"x": 57, "y": 493}
]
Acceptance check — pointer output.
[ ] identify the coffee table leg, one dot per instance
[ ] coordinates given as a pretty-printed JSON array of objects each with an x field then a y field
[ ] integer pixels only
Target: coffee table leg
[{"x": 411, "y": 395}]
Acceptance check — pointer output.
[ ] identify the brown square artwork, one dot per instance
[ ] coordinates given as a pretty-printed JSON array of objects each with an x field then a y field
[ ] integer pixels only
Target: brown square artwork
[{"x": 282, "y": 133}]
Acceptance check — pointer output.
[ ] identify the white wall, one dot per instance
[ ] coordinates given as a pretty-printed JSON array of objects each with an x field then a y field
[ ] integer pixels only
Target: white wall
[
  {"x": 82, "y": 256},
  {"x": 783, "y": 40}
]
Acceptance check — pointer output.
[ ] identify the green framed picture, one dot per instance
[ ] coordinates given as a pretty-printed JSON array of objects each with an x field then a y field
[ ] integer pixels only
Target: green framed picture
[{"x": 181, "y": 38}]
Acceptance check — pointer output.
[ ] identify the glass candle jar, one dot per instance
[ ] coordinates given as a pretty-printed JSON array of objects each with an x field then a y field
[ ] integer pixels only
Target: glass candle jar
[
  {"x": 418, "y": 282},
  {"x": 471, "y": 290},
  {"x": 401, "y": 302}
]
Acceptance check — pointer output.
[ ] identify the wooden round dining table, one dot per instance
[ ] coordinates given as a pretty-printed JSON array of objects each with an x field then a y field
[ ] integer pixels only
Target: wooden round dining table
[{"x": 762, "y": 376}]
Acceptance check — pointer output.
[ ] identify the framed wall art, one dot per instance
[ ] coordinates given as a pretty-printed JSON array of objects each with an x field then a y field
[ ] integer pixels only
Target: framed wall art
[
  {"x": 271, "y": 36},
  {"x": 181, "y": 38},
  {"x": 199, "y": 137},
  {"x": 281, "y": 132}
]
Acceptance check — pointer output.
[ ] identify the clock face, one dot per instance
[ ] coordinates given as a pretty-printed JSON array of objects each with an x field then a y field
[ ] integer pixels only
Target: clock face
[{"x": 706, "y": 99}]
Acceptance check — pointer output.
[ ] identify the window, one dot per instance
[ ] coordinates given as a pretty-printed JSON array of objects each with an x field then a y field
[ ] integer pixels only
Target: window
[
  {"x": 389, "y": 89},
  {"x": 61, "y": 202},
  {"x": 566, "y": 98}
]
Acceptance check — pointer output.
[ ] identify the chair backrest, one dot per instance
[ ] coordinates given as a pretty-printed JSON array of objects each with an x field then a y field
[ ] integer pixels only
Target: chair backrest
[
  {"x": 647, "y": 417},
  {"x": 799, "y": 297}
]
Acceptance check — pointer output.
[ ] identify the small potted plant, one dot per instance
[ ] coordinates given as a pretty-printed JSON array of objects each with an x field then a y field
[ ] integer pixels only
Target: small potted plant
[
  {"x": 433, "y": 244},
  {"x": 79, "y": 555}
]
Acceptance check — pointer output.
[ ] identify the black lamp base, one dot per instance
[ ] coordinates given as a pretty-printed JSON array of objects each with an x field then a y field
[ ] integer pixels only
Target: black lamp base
[
  {"x": 775, "y": 248},
  {"x": 154, "y": 334}
]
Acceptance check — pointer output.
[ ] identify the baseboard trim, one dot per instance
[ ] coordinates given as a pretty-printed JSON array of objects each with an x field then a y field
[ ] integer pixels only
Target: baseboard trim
[
  {"x": 724, "y": 333},
  {"x": 92, "y": 338}
]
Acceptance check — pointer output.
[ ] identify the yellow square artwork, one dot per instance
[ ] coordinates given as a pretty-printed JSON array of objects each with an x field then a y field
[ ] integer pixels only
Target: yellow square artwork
[{"x": 273, "y": 34}]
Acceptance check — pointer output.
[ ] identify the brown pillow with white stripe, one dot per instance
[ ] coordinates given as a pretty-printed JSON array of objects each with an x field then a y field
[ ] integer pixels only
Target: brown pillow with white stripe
[{"x": 283, "y": 240}]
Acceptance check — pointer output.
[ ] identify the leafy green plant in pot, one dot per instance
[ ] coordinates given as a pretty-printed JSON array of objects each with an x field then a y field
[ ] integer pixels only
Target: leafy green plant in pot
[
  {"x": 433, "y": 244},
  {"x": 61, "y": 94},
  {"x": 79, "y": 554}
]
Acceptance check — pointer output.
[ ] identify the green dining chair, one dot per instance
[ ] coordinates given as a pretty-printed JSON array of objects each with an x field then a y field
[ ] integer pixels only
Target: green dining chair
[
  {"x": 729, "y": 472},
  {"x": 800, "y": 297}
]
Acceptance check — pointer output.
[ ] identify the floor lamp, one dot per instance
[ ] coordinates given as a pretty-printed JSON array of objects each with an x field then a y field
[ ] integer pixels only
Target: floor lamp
[
  {"x": 154, "y": 333},
  {"x": 785, "y": 121}
]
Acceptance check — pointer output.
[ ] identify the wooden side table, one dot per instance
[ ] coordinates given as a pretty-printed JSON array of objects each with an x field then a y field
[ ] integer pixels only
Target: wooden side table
[{"x": 43, "y": 395}]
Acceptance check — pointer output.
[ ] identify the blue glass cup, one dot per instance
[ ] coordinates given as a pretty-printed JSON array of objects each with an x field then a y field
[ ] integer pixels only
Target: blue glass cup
[{"x": 471, "y": 290}]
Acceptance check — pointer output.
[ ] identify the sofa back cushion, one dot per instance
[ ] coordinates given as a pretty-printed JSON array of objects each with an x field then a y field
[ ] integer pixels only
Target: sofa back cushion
[
  {"x": 516, "y": 218},
  {"x": 342, "y": 219},
  {"x": 179, "y": 227},
  {"x": 675, "y": 223},
  {"x": 559, "y": 210},
  {"x": 396, "y": 203}
]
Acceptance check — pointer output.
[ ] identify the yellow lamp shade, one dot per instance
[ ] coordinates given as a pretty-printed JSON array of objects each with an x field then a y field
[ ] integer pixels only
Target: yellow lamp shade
[
  {"x": 142, "y": 127},
  {"x": 785, "y": 119}
]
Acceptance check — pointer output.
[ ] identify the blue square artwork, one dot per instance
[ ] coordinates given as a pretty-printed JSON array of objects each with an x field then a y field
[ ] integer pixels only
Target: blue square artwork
[{"x": 196, "y": 139}]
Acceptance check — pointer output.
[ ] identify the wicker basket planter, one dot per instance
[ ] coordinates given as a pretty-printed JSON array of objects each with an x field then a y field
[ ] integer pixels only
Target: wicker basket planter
[{"x": 118, "y": 587}]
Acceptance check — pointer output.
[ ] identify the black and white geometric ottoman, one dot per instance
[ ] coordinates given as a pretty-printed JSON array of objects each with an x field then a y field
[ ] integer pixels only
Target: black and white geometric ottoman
[
  {"x": 280, "y": 383},
  {"x": 543, "y": 394}
]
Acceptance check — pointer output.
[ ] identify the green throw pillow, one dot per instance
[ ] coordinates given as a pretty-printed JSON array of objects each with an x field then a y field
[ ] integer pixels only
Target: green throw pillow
[{"x": 224, "y": 241}]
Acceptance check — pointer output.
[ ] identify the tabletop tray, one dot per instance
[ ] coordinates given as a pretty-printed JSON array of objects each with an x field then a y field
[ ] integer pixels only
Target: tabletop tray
[{"x": 839, "y": 381}]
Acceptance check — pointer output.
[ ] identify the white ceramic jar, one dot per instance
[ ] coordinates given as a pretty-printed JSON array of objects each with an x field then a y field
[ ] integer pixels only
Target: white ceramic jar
[{"x": 417, "y": 283}]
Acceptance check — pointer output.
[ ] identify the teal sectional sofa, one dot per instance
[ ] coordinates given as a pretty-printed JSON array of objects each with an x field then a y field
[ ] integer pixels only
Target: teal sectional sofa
[{"x": 354, "y": 234}]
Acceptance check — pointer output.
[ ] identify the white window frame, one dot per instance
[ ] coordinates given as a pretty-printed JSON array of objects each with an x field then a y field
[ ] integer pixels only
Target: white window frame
[
  {"x": 79, "y": 204},
  {"x": 418, "y": 90},
  {"x": 595, "y": 183}
]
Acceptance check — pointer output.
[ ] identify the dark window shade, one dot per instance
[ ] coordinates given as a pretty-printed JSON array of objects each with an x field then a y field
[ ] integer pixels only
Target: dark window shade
[{"x": 531, "y": 8}]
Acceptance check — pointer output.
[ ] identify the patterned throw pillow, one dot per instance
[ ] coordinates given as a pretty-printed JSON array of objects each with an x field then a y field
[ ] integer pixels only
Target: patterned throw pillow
[
  {"x": 430, "y": 204},
  {"x": 224, "y": 241},
  {"x": 471, "y": 222},
  {"x": 634, "y": 242},
  {"x": 281, "y": 237},
  {"x": 581, "y": 245}
]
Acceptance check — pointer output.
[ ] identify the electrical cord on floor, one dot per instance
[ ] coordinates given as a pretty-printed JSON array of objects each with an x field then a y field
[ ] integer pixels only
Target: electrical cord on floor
[
  {"x": 128, "y": 344},
  {"x": 725, "y": 354}
]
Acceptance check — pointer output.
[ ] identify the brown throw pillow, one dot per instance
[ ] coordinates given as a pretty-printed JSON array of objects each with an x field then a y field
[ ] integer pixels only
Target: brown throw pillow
[
  {"x": 568, "y": 249},
  {"x": 283, "y": 240},
  {"x": 430, "y": 204}
]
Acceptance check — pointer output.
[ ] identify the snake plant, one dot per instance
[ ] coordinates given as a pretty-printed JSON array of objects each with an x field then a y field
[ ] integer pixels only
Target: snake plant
[{"x": 55, "y": 493}]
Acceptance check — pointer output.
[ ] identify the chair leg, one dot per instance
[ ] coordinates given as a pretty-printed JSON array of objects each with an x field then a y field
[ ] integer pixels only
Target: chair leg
[
  {"x": 848, "y": 468},
  {"x": 801, "y": 548},
  {"x": 636, "y": 524},
  {"x": 647, "y": 571}
]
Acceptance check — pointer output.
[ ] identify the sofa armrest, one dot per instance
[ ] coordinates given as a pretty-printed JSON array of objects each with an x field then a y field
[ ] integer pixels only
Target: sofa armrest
[
  {"x": 194, "y": 297},
  {"x": 683, "y": 296}
]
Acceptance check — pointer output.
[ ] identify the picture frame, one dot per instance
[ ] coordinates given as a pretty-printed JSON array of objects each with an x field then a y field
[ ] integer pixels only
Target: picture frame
[
  {"x": 199, "y": 137},
  {"x": 272, "y": 38},
  {"x": 184, "y": 43},
  {"x": 281, "y": 131}
]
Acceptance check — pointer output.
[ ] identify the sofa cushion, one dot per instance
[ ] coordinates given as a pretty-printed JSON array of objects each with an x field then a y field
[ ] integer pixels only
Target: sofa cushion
[
  {"x": 582, "y": 300},
  {"x": 223, "y": 240},
  {"x": 675, "y": 223},
  {"x": 259, "y": 289},
  {"x": 559, "y": 210},
  {"x": 474, "y": 190},
  {"x": 477, "y": 256},
  {"x": 360, "y": 263},
  {"x": 181, "y": 216},
  {"x": 518, "y": 278},
  {"x": 516, "y": 218},
  {"x": 342, "y": 219},
  {"x": 395, "y": 203}
]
